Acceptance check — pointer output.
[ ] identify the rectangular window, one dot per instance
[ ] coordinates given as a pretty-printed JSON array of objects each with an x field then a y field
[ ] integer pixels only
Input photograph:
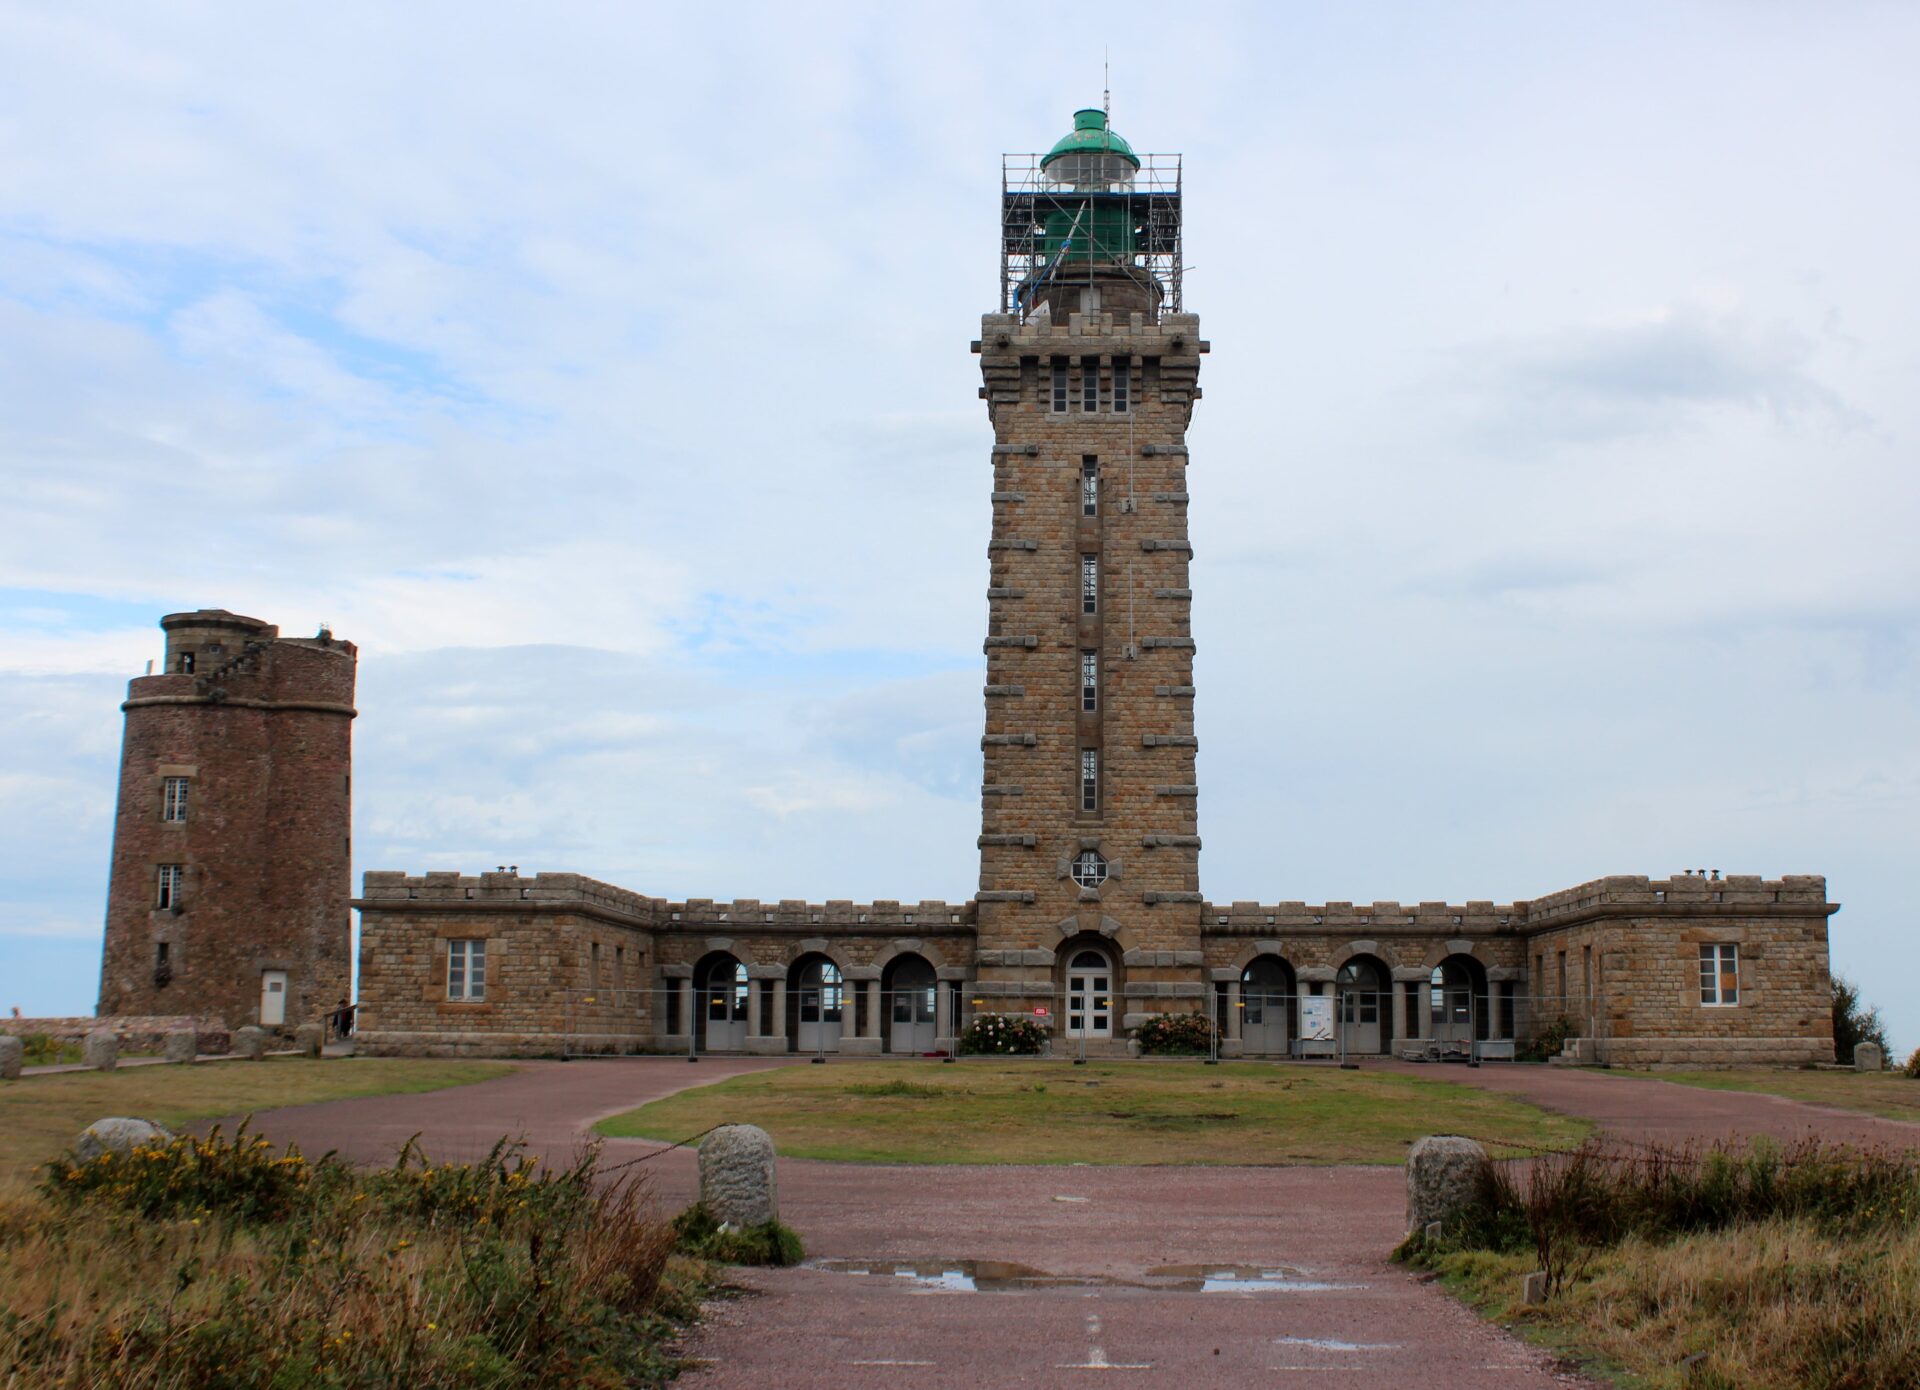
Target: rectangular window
[
  {"x": 1089, "y": 779},
  {"x": 171, "y": 879},
  {"x": 593, "y": 966},
  {"x": 1060, "y": 387},
  {"x": 173, "y": 799},
  {"x": 186, "y": 663},
  {"x": 1089, "y": 583},
  {"x": 467, "y": 970},
  {"x": 1720, "y": 974},
  {"x": 1089, "y": 485},
  {"x": 1089, "y": 681},
  {"x": 1090, "y": 384},
  {"x": 1122, "y": 387},
  {"x": 619, "y": 967}
]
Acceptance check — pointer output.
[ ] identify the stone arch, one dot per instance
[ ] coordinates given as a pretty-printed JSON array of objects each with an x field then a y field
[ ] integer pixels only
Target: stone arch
[
  {"x": 1438, "y": 951},
  {"x": 1264, "y": 999},
  {"x": 1077, "y": 983},
  {"x": 1363, "y": 1002},
  {"x": 911, "y": 994},
  {"x": 899, "y": 946},
  {"x": 1253, "y": 949},
  {"x": 818, "y": 1006},
  {"x": 720, "y": 985},
  {"x": 1362, "y": 946}
]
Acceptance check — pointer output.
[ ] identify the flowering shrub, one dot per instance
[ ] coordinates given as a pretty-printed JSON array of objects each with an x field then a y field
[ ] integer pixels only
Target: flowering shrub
[
  {"x": 1004, "y": 1035},
  {"x": 241, "y": 1176},
  {"x": 1183, "y": 1035}
]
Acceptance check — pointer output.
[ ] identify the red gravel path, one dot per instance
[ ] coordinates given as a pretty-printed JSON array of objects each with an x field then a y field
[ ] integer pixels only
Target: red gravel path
[{"x": 814, "y": 1327}]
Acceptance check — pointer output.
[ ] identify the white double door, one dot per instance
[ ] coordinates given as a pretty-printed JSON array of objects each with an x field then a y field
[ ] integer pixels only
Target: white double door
[{"x": 1089, "y": 996}]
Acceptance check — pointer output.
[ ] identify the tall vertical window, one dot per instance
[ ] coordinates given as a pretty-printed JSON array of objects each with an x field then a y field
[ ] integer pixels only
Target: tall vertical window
[
  {"x": 186, "y": 663},
  {"x": 1090, "y": 384},
  {"x": 1089, "y": 680},
  {"x": 1089, "y": 485},
  {"x": 1060, "y": 386},
  {"x": 1720, "y": 973},
  {"x": 1122, "y": 386},
  {"x": 593, "y": 966},
  {"x": 1089, "y": 583},
  {"x": 173, "y": 799},
  {"x": 168, "y": 882},
  {"x": 619, "y": 967},
  {"x": 467, "y": 970},
  {"x": 1089, "y": 779}
]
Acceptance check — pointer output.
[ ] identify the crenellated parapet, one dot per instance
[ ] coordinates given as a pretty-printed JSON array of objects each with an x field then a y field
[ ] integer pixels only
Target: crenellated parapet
[{"x": 1254, "y": 919}]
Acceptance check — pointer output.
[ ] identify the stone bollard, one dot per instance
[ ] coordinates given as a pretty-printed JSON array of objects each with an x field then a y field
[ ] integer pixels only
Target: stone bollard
[
  {"x": 13, "y": 1054},
  {"x": 1868, "y": 1057},
  {"x": 309, "y": 1039},
  {"x": 250, "y": 1043},
  {"x": 118, "y": 1135},
  {"x": 1446, "y": 1175},
  {"x": 1533, "y": 1287},
  {"x": 736, "y": 1176},
  {"x": 101, "y": 1051},
  {"x": 182, "y": 1045}
]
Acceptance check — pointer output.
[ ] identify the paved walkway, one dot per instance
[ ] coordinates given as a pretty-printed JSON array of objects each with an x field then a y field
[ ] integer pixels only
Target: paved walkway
[{"x": 1305, "y": 1294}]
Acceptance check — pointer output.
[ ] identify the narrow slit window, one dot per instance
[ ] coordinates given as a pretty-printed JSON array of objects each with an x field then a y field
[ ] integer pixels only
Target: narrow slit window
[
  {"x": 1720, "y": 973},
  {"x": 1089, "y": 583},
  {"x": 186, "y": 663},
  {"x": 1090, "y": 384},
  {"x": 1122, "y": 387},
  {"x": 1089, "y": 485},
  {"x": 169, "y": 881},
  {"x": 467, "y": 970},
  {"x": 1089, "y": 779},
  {"x": 173, "y": 799},
  {"x": 1060, "y": 387},
  {"x": 1089, "y": 681}
]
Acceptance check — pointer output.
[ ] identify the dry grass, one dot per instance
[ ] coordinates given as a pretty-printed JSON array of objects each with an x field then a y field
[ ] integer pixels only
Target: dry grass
[
  {"x": 1891, "y": 1095},
  {"x": 45, "y": 1113},
  {"x": 1777, "y": 1305},
  {"x": 991, "y": 1111}
]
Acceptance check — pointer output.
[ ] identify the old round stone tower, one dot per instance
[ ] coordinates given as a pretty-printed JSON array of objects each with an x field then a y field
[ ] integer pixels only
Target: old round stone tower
[{"x": 231, "y": 873}]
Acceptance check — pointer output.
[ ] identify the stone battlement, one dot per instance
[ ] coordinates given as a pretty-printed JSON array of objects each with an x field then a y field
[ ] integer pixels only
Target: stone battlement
[
  {"x": 1377, "y": 916},
  {"x": 1682, "y": 890}
]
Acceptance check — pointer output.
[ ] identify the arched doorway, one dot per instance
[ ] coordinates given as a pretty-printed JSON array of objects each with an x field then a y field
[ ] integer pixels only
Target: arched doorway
[
  {"x": 1090, "y": 993},
  {"x": 720, "y": 1003},
  {"x": 1364, "y": 1006},
  {"x": 1267, "y": 994},
  {"x": 816, "y": 999},
  {"x": 1457, "y": 998},
  {"x": 910, "y": 988}
]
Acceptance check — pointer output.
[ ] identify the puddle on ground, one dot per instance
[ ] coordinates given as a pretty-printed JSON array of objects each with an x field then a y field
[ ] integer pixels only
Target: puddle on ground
[{"x": 1000, "y": 1276}]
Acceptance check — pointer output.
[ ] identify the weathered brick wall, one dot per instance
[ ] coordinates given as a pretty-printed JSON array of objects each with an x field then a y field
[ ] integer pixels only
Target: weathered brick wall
[
  {"x": 1032, "y": 823},
  {"x": 261, "y": 728}
]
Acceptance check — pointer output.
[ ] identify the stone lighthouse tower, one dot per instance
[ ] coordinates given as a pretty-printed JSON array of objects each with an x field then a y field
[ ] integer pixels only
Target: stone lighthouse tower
[
  {"x": 1089, "y": 901},
  {"x": 231, "y": 881}
]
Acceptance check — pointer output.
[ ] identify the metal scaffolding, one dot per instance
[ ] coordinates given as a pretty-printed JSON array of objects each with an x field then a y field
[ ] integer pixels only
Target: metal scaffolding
[{"x": 1048, "y": 225}]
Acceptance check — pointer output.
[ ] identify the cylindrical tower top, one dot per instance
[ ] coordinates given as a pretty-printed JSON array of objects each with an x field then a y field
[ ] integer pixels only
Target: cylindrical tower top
[{"x": 1092, "y": 156}]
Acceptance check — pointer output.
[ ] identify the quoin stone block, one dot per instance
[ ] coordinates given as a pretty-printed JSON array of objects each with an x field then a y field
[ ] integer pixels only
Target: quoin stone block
[
  {"x": 101, "y": 1050},
  {"x": 12, "y": 1058},
  {"x": 737, "y": 1179},
  {"x": 250, "y": 1042},
  {"x": 1447, "y": 1175},
  {"x": 118, "y": 1135}
]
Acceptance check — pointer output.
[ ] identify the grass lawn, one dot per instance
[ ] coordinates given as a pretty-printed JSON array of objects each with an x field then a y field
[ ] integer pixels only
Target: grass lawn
[
  {"x": 42, "y": 1115},
  {"x": 1888, "y": 1094},
  {"x": 1054, "y": 1112}
]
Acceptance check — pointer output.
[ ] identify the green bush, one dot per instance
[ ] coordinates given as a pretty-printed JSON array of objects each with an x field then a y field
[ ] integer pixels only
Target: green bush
[
  {"x": 1003, "y": 1035},
  {"x": 772, "y": 1243},
  {"x": 1912, "y": 1067},
  {"x": 240, "y": 1177},
  {"x": 1177, "y": 1035},
  {"x": 1551, "y": 1041},
  {"x": 1854, "y": 1022}
]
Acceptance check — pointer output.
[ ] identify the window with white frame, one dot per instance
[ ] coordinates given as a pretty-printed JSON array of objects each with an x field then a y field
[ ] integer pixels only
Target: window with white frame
[
  {"x": 173, "y": 799},
  {"x": 1089, "y": 779},
  {"x": 1089, "y": 868},
  {"x": 1720, "y": 973},
  {"x": 1089, "y": 583},
  {"x": 1089, "y": 681},
  {"x": 1090, "y": 384},
  {"x": 1122, "y": 387},
  {"x": 1060, "y": 387},
  {"x": 467, "y": 970},
  {"x": 1089, "y": 485},
  {"x": 169, "y": 882}
]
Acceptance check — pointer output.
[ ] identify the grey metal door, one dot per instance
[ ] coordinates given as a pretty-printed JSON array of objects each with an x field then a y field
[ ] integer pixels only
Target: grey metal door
[
  {"x": 913, "y": 1008},
  {"x": 820, "y": 1007}
]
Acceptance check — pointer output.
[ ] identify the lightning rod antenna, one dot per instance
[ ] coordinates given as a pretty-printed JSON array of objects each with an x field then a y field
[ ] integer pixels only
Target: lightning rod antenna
[{"x": 1106, "y": 82}]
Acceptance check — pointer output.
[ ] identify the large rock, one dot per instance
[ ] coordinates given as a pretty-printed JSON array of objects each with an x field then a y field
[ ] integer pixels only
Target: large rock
[
  {"x": 101, "y": 1051},
  {"x": 1446, "y": 1175},
  {"x": 736, "y": 1176},
  {"x": 309, "y": 1039},
  {"x": 13, "y": 1054},
  {"x": 118, "y": 1135},
  {"x": 1868, "y": 1057},
  {"x": 250, "y": 1042},
  {"x": 182, "y": 1045}
]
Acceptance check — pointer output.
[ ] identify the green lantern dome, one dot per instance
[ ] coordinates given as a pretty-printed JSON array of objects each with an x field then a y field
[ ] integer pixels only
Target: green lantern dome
[{"x": 1092, "y": 154}]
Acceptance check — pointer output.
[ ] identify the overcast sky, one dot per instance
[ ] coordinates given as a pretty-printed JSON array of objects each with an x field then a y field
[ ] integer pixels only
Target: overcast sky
[{"x": 602, "y": 371}]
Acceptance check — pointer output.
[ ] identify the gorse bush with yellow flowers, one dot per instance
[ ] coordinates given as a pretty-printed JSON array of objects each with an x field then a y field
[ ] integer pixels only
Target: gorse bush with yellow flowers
[{"x": 222, "y": 1262}]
